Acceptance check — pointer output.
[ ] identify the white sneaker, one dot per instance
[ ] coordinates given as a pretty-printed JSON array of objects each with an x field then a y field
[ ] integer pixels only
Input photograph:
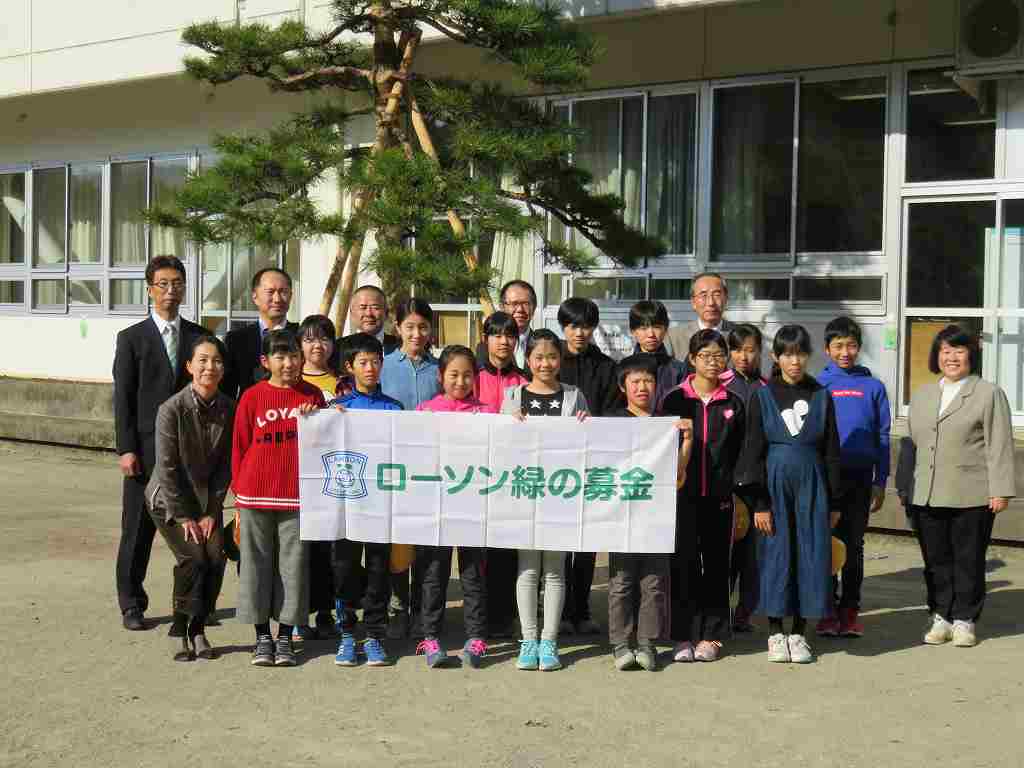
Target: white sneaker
[
  {"x": 778, "y": 648},
  {"x": 799, "y": 650},
  {"x": 940, "y": 632},
  {"x": 963, "y": 634}
]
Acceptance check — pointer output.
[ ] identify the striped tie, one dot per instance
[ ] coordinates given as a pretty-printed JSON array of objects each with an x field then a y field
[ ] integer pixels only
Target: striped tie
[{"x": 171, "y": 344}]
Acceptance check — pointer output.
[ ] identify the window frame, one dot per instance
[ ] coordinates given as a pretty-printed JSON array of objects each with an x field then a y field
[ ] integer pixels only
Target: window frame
[{"x": 19, "y": 271}]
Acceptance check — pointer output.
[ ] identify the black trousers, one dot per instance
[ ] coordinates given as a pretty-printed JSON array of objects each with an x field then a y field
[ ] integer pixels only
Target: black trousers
[
  {"x": 436, "y": 568},
  {"x": 501, "y": 573},
  {"x": 579, "y": 578},
  {"x": 348, "y": 584},
  {"x": 854, "y": 506},
  {"x": 953, "y": 545},
  {"x": 198, "y": 570},
  {"x": 700, "y": 568},
  {"x": 137, "y": 532},
  {"x": 321, "y": 577},
  {"x": 743, "y": 570}
]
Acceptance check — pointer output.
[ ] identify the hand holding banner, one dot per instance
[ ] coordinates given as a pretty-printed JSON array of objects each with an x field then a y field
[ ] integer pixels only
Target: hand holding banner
[{"x": 489, "y": 480}]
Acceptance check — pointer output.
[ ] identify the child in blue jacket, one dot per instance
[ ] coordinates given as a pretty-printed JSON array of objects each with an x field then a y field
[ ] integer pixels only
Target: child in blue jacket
[{"x": 863, "y": 418}]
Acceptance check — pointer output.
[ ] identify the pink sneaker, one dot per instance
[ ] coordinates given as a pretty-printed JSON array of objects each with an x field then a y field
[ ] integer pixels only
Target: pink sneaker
[
  {"x": 707, "y": 650},
  {"x": 683, "y": 652}
]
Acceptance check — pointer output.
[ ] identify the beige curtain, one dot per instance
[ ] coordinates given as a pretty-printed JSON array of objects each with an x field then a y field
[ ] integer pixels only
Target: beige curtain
[{"x": 86, "y": 204}]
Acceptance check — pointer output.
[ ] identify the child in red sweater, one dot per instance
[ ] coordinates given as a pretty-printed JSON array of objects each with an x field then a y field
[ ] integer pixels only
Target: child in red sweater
[
  {"x": 273, "y": 580},
  {"x": 455, "y": 372}
]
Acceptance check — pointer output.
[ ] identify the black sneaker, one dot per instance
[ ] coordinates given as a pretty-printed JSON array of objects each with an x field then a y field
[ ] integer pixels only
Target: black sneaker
[
  {"x": 133, "y": 620},
  {"x": 285, "y": 654},
  {"x": 263, "y": 655}
]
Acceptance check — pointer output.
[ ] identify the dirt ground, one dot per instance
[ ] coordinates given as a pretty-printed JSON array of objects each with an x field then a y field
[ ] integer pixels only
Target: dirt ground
[{"x": 78, "y": 690}]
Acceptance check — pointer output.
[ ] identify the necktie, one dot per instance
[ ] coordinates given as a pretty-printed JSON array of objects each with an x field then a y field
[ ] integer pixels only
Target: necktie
[{"x": 171, "y": 343}]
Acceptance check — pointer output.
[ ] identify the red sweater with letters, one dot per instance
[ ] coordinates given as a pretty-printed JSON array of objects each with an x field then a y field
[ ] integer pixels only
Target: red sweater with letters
[{"x": 265, "y": 452}]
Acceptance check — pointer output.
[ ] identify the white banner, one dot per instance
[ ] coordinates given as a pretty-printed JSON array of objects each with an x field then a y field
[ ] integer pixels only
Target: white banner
[{"x": 487, "y": 480}]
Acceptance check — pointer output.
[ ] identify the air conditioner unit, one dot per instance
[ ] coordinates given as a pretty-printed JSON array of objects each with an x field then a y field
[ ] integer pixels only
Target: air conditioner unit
[{"x": 990, "y": 38}]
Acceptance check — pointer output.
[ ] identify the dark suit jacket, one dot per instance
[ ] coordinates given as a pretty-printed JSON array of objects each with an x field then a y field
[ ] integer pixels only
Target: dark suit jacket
[
  {"x": 143, "y": 379},
  {"x": 243, "y": 367},
  {"x": 391, "y": 343},
  {"x": 193, "y": 457}
]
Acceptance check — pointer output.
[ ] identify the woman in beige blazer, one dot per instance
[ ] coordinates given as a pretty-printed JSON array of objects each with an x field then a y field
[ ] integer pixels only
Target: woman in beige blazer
[
  {"x": 956, "y": 474},
  {"x": 185, "y": 493}
]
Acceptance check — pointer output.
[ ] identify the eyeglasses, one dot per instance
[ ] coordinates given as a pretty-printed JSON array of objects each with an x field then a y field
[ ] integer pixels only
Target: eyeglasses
[
  {"x": 165, "y": 286},
  {"x": 711, "y": 357},
  {"x": 518, "y": 305},
  {"x": 705, "y": 296}
]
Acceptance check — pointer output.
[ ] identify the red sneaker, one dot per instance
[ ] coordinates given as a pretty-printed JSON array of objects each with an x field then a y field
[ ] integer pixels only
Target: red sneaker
[
  {"x": 849, "y": 624},
  {"x": 828, "y": 627}
]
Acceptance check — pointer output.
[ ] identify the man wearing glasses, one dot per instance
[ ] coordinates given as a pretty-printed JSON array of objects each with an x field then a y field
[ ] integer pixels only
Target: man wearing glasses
[
  {"x": 518, "y": 299},
  {"x": 272, "y": 295},
  {"x": 709, "y": 297},
  {"x": 149, "y": 367}
]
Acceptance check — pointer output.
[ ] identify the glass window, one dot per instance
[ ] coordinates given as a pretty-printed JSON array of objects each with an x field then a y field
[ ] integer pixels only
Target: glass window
[
  {"x": 842, "y": 148},
  {"x": 214, "y": 277},
  {"x": 951, "y": 131},
  {"x": 12, "y": 218},
  {"x": 920, "y": 333},
  {"x": 12, "y": 291},
  {"x": 86, "y": 210},
  {"x": 246, "y": 262},
  {"x": 85, "y": 293},
  {"x": 49, "y": 294},
  {"x": 948, "y": 247},
  {"x": 609, "y": 288},
  {"x": 671, "y": 161},
  {"x": 752, "y": 190},
  {"x": 745, "y": 290},
  {"x": 1011, "y": 360},
  {"x": 128, "y": 293},
  {"x": 553, "y": 289},
  {"x": 670, "y": 289},
  {"x": 837, "y": 289},
  {"x": 168, "y": 177},
  {"x": 1011, "y": 278},
  {"x": 127, "y": 201},
  {"x": 48, "y": 216}
]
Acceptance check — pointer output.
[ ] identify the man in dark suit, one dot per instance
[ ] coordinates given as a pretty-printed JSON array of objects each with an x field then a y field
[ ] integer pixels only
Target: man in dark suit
[
  {"x": 366, "y": 314},
  {"x": 272, "y": 295},
  {"x": 149, "y": 367},
  {"x": 709, "y": 296}
]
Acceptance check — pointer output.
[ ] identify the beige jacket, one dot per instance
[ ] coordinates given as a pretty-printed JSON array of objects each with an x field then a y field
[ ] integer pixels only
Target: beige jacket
[
  {"x": 678, "y": 337},
  {"x": 963, "y": 457}
]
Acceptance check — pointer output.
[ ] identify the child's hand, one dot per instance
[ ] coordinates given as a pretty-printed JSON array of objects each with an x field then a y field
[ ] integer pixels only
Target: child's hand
[
  {"x": 763, "y": 523},
  {"x": 877, "y": 499},
  {"x": 834, "y": 518},
  {"x": 680, "y": 476},
  {"x": 582, "y": 416},
  {"x": 519, "y": 416},
  {"x": 307, "y": 408},
  {"x": 339, "y": 408},
  {"x": 685, "y": 427}
]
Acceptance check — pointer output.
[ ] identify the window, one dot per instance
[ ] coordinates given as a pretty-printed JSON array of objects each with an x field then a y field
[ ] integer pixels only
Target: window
[
  {"x": 12, "y": 218},
  {"x": 948, "y": 245},
  {"x": 225, "y": 282},
  {"x": 127, "y": 201},
  {"x": 751, "y": 207},
  {"x": 49, "y": 220},
  {"x": 842, "y": 151},
  {"x": 86, "y": 206},
  {"x": 670, "y": 289},
  {"x": 168, "y": 176},
  {"x": 12, "y": 291},
  {"x": 837, "y": 290},
  {"x": 642, "y": 148},
  {"x": 50, "y": 294},
  {"x": 628, "y": 289},
  {"x": 951, "y": 130}
]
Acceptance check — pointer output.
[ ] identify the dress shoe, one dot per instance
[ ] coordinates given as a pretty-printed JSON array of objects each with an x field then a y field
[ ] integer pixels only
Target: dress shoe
[
  {"x": 202, "y": 648},
  {"x": 133, "y": 620}
]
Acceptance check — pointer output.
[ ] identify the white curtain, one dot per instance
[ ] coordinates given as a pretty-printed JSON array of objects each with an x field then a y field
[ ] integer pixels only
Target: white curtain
[
  {"x": 168, "y": 177},
  {"x": 12, "y": 218},
  {"x": 86, "y": 204},
  {"x": 48, "y": 216},
  {"x": 127, "y": 199}
]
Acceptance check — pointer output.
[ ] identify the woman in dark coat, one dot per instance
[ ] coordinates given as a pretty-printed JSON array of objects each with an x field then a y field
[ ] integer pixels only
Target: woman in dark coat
[{"x": 185, "y": 494}]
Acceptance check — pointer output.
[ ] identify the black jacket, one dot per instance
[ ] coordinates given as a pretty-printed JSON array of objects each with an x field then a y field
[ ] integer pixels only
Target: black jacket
[
  {"x": 243, "y": 368},
  {"x": 594, "y": 373},
  {"x": 143, "y": 379},
  {"x": 719, "y": 429}
]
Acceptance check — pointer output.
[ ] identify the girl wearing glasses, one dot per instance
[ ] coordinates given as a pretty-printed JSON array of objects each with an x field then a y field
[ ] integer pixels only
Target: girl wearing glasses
[{"x": 704, "y": 511}]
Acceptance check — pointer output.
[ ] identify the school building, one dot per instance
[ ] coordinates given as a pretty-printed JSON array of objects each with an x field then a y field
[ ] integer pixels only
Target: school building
[{"x": 861, "y": 157}]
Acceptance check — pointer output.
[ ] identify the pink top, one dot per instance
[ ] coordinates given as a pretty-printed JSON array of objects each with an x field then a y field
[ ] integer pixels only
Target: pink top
[
  {"x": 443, "y": 404},
  {"x": 491, "y": 385}
]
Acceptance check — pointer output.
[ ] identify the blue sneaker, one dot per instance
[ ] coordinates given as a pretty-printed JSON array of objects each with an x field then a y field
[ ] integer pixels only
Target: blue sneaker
[
  {"x": 472, "y": 652},
  {"x": 434, "y": 651},
  {"x": 549, "y": 660},
  {"x": 376, "y": 656},
  {"x": 528, "y": 658},
  {"x": 346, "y": 652}
]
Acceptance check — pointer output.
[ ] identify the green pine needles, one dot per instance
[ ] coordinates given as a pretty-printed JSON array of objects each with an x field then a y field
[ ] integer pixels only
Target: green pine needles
[{"x": 455, "y": 162}]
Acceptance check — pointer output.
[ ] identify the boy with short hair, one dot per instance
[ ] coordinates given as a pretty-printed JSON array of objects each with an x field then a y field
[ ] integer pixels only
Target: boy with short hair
[
  {"x": 273, "y": 575},
  {"x": 863, "y": 418},
  {"x": 363, "y": 360},
  {"x": 648, "y": 324},
  {"x": 593, "y": 372},
  {"x": 637, "y": 573}
]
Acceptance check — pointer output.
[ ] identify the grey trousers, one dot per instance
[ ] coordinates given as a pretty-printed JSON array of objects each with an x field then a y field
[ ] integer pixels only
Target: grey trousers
[
  {"x": 532, "y": 563},
  {"x": 636, "y": 576},
  {"x": 273, "y": 580}
]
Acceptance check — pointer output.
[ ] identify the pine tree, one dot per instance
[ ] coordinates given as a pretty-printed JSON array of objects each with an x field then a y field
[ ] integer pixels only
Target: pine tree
[{"x": 503, "y": 164}]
